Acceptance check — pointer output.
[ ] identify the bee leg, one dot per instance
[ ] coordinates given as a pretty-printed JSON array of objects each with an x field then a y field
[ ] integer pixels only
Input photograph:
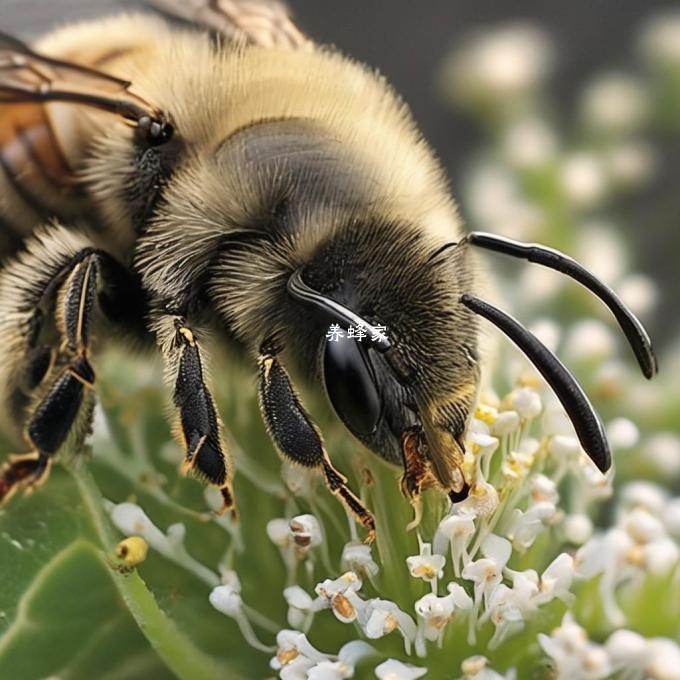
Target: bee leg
[
  {"x": 48, "y": 296},
  {"x": 62, "y": 406},
  {"x": 49, "y": 427},
  {"x": 417, "y": 473},
  {"x": 199, "y": 428},
  {"x": 297, "y": 438}
]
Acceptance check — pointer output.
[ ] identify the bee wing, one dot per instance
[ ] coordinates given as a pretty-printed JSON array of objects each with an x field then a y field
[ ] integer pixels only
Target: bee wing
[
  {"x": 29, "y": 77},
  {"x": 258, "y": 22}
]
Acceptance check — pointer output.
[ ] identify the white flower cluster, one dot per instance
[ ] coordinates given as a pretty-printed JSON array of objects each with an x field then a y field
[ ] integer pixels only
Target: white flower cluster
[
  {"x": 625, "y": 654},
  {"x": 639, "y": 544},
  {"x": 514, "y": 498}
]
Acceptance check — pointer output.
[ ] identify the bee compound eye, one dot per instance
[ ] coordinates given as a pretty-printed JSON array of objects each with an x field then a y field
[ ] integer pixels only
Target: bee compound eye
[{"x": 351, "y": 386}]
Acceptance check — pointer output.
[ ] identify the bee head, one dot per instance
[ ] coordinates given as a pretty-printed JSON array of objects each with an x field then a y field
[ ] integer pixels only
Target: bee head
[{"x": 397, "y": 352}]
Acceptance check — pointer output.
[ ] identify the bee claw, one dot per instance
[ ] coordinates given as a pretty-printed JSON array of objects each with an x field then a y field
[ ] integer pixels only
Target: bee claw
[{"x": 417, "y": 506}]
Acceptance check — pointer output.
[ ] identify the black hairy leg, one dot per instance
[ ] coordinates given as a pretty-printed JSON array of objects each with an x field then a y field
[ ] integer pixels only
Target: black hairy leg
[
  {"x": 297, "y": 438},
  {"x": 198, "y": 426},
  {"x": 48, "y": 298}
]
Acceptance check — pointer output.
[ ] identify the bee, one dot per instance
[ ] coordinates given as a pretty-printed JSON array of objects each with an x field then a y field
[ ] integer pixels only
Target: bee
[{"x": 160, "y": 182}]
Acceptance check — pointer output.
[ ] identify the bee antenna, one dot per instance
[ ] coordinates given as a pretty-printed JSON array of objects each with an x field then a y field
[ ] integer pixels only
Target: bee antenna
[
  {"x": 301, "y": 292},
  {"x": 586, "y": 422},
  {"x": 548, "y": 257}
]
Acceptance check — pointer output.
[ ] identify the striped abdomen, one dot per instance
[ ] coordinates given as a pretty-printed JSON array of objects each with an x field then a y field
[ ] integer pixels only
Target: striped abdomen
[{"x": 36, "y": 182}]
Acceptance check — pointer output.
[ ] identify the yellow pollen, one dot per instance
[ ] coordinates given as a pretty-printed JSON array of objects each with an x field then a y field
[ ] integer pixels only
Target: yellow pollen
[
  {"x": 391, "y": 623},
  {"x": 285, "y": 656},
  {"x": 636, "y": 556},
  {"x": 343, "y": 606},
  {"x": 424, "y": 571},
  {"x": 132, "y": 550},
  {"x": 487, "y": 414}
]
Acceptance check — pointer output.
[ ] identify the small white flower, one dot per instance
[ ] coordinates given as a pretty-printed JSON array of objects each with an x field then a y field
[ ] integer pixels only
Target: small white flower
[
  {"x": 661, "y": 555},
  {"x": 357, "y": 557},
  {"x": 556, "y": 580},
  {"x": 396, "y": 670},
  {"x": 381, "y": 617},
  {"x": 482, "y": 500},
  {"x": 306, "y": 531},
  {"x": 671, "y": 518},
  {"x": 642, "y": 494},
  {"x": 476, "y": 668},
  {"x": 664, "y": 659},
  {"x": 526, "y": 402},
  {"x": 487, "y": 572},
  {"x": 341, "y": 596},
  {"x": 577, "y": 528},
  {"x": 543, "y": 489},
  {"x": 455, "y": 531},
  {"x": 300, "y": 606},
  {"x": 506, "y": 423},
  {"x": 504, "y": 612},
  {"x": 564, "y": 449},
  {"x": 524, "y": 526},
  {"x": 573, "y": 655},
  {"x": 278, "y": 531},
  {"x": 133, "y": 521},
  {"x": 434, "y": 613},
  {"x": 426, "y": 566},
  {"x": 628, "y": 651},
  {"x": 330, "y": 670},
  {"x": 227, "y": 599},
  {"x": 622, "y": 433}
]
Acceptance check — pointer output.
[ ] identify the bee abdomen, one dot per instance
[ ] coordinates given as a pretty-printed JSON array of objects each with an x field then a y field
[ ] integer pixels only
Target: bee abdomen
[{"x": 35, "y": 180}]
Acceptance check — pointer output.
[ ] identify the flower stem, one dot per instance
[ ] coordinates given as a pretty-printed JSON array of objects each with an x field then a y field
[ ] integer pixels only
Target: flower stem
[{"x": 180, "y": 655}]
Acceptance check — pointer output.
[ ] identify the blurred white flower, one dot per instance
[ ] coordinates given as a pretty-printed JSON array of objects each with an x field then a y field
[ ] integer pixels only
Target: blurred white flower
[
  {"x": 577, "y": 528},
  {"x": 614, "y": 103},
  {"x": 660, "y": 38},
  {"x": 628, "y": 652},
  {"x": 583, "y": 179},
  {"x": 589, "y": 341},
  {"x": 529, "y": 143},
  {"x": 573, "y": 655},
  {"x": 631, "y": 164},
  {"x": 664, "y": 659},
  {"x": 502, "y": 62},
  {"x": 526, "y": 402},
  {"x": 601, "y": 249},
  {"x": 639, "y": 292},
  {"x": 396, "y": 670},
  {"x": 476, "y": 668},
  {"x": 662, "y": 450},
  {"x": 556, "y": 580},
  {"x": 622, "y": 433}
]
